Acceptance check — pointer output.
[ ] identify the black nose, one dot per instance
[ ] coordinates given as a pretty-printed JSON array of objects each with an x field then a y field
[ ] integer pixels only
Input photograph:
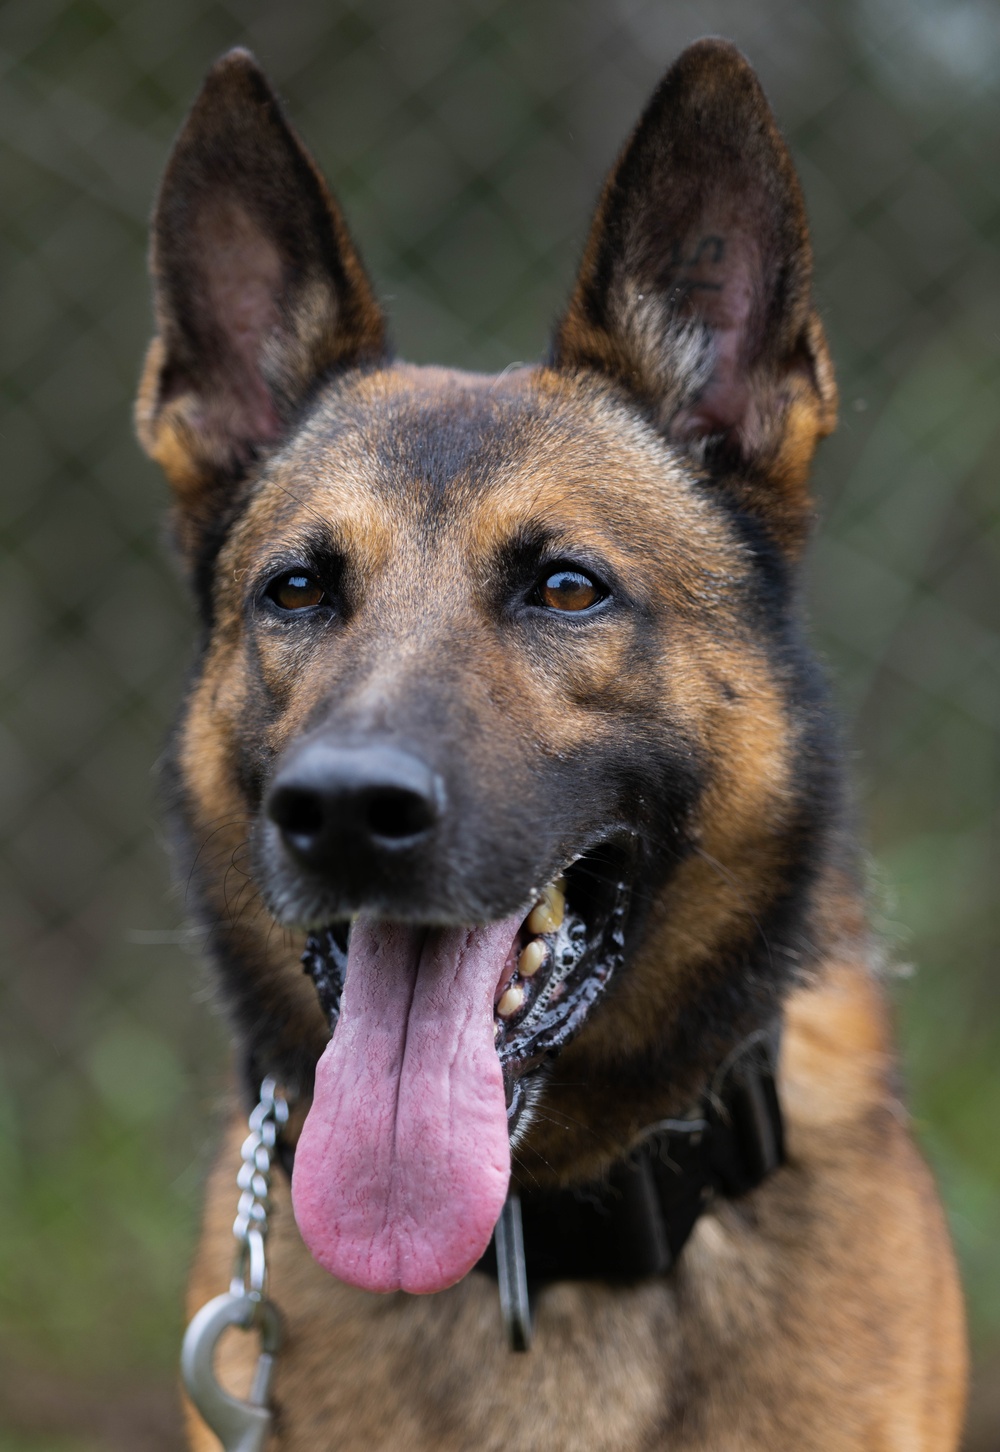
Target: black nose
[{"x": 334, "y": 801}]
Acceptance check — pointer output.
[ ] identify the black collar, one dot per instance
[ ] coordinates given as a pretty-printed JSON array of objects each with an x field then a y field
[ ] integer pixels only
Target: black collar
[{"x": 635, "y": 1223}]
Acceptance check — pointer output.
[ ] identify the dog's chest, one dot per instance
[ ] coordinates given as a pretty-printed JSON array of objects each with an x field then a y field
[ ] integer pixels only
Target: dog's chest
[
  {"x": 782, "y": 1329},
  {"x": 439, "y": 1376},
  {"x": 666, "y": 1363},
  {"x": 434, "y": 1372}
]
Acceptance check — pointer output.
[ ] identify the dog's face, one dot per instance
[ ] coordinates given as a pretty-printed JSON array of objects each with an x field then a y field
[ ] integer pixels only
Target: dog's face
[{"x": 500, "y": 697}]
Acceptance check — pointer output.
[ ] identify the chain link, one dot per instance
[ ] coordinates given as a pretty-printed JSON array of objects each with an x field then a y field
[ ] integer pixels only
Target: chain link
[
  {"x": 254, "y": 1183},
  {"x": 242, "y": 1425}
]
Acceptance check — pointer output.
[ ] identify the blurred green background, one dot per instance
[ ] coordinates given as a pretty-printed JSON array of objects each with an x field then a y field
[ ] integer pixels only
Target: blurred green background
[{"x": 467, "y": 142}]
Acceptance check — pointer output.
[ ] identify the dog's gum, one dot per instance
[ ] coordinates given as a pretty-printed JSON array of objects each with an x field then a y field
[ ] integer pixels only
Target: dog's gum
[
  {"x": 511, "y": 1001},
  {"x": 532, "y": 957},
  {"x": 547, "y": 914}
]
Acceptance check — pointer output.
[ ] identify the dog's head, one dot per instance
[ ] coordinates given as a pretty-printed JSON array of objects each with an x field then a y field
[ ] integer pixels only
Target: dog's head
[{"x": 501, "y": 695}]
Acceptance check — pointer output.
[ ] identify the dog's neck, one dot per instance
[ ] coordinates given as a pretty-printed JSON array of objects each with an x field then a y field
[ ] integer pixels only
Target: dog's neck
[{"x": 634, "y": 1222}]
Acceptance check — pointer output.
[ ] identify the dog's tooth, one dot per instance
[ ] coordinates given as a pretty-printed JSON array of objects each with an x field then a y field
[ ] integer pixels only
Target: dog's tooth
[
  {"x": 511, "y": 1001},
  {"x": 547, "y": 914},
  {"x": 538, "y": 919},
  {"x": 531, "y": 959}
]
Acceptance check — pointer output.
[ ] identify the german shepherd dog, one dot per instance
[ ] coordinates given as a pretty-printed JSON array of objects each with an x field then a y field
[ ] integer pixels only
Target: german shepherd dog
[{"x": 504, "y": 716}]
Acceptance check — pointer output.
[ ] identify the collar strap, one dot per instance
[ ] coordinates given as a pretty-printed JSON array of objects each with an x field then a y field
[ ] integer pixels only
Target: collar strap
[{"x": 635, "y": 1223}]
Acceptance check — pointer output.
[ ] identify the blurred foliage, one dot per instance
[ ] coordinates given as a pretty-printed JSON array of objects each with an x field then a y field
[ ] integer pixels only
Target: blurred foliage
[{"x": 467, "y": 141}]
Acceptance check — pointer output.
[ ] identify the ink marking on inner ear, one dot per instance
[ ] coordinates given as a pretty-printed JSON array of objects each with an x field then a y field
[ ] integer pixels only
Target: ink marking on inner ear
[
  {"x": 710, "y": 243},
  {"x": 708, "y": 251}
]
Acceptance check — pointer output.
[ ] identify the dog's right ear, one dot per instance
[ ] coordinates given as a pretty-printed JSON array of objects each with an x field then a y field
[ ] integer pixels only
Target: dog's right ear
[{"x": 259, "y": 293}]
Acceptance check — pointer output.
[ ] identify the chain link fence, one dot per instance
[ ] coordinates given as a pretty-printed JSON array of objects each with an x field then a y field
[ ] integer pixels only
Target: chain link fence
[{"x": 467, "y": 142}]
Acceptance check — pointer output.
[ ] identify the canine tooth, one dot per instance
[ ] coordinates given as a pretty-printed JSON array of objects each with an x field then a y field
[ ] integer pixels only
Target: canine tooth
[
  {"x": 547, "y": 914},
  {"x": 511, "y": 1001},
  {"x": 531, "y": 959}
]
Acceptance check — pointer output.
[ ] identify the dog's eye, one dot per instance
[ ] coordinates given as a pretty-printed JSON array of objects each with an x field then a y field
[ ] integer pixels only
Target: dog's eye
[
  {"x": 569, "y": 590},
  {"x": 296, "y": 591}
]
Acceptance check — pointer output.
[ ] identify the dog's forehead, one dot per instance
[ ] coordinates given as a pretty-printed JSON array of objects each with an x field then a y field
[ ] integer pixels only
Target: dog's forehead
[
  {"x": 408, "y": 458},
  {"x": 423, "y": 439}
]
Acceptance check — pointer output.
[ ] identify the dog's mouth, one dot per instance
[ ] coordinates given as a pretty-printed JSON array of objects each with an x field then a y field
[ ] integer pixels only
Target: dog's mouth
[
  {"x": 564, "y": 955},
  {"x": 439, "y": 1035}
]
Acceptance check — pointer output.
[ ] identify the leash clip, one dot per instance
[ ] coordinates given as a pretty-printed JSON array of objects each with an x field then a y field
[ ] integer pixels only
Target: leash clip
[
  {"x": 241, "y": 1426},
  {"x": 512, "y": 1276}
]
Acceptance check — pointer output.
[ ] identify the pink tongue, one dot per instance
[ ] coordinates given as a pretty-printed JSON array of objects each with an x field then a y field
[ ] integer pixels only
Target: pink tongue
[{"x": 402, "y": 1166}]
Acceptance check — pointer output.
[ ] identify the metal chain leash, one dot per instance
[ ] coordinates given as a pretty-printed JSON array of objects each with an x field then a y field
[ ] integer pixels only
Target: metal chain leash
[
  {"x": 254, "y": 1182},
  {"x": 242, "y": 1426}
]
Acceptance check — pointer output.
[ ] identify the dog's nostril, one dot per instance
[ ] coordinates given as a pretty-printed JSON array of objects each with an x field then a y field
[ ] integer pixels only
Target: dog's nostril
[
  {"x": 395, "y": 813},
  {"x": 331, "y": 803},
  {"x": 297, "y": 811}
]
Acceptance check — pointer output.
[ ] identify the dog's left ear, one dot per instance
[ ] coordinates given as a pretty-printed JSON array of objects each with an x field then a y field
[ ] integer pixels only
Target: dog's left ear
[
  {"x": 694, "y": 291},
  {"x": 259, "y": 294}
]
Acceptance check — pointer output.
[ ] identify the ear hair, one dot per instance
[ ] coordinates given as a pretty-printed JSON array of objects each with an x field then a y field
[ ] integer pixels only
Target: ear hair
[{"x": 672, "y": 355}]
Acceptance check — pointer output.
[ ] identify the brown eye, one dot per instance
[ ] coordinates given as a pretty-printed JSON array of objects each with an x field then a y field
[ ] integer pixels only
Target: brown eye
[
  {"x": 296, "y": 591},
  {"x": 569, "y": 590}
]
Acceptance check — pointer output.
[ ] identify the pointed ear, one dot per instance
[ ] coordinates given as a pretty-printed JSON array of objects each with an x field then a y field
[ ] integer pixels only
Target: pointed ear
[
  {"x": 694, "y": 292},
  {"x": 259, "y": 293}
]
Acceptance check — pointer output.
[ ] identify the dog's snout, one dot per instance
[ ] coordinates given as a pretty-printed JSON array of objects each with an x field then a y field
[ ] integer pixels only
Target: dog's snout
[{"x": 331, "y": 802}]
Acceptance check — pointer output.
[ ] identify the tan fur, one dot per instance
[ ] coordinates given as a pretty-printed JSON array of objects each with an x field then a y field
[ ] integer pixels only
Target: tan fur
[{"x": 835, "y": 1331}]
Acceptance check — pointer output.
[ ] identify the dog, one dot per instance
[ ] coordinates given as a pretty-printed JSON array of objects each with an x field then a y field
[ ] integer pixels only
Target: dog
[{"x": 504, "y": 722}]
